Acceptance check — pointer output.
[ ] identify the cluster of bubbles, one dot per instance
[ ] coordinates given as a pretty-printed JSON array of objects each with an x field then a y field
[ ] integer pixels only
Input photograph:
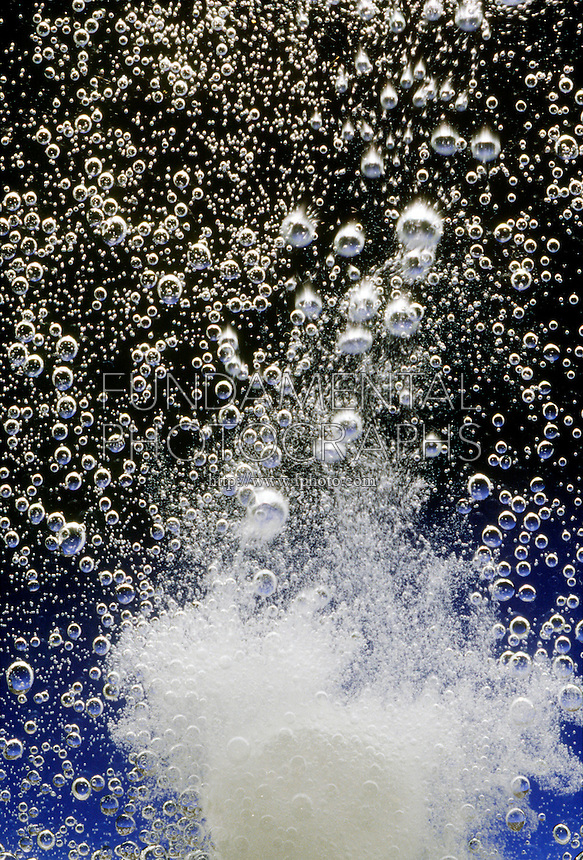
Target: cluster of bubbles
[
  {"x": 322, "y": 724},
  {"x": 254, "y": 267}
]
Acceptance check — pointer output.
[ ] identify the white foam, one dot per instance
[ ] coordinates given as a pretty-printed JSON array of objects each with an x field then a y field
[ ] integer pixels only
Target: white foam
[{"x": 366, "y": 717}]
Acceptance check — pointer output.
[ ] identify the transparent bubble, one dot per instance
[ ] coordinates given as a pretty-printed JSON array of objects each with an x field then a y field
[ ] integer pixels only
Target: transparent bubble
[
  {"x": 433, "y": 10},
  {"x": 355, "y": 340},
  {"x": 362, "y": 63},
  {"x": 503, "y": 233},
  {"x": 199, "y": 256},
  {"x": 520, "y": 787},
  {"x": 268, "y": 512},
  {"x": 469, "y": 15},
  {"x": 72, "y": 538},
  {"x": 566, "y": 148},
  {"x": 389, "y": 97},
  {"x": 349, "y": 240},
  {"x": 444, "y": 140},
  {"x": 13, "y": 749},
  {"x": 297, "y": 229},
  {"x": 81, "y": 788},
  {"x": 485, "y": 146},
  {"x": 350, "y": 422},
  {"x": 46, "y": 840},
  {"x": 522, "y": 711},
  {"x": 503, "y": 590},
  {"x": 67, "y": 348},
  {"x": 264, "y": 583},
  {"x": 19, "y": 677},
  {"x": 479, "y": 487},
  {"x": 521, "y": 279},
  {"x": 492, "y": 536},
  {"x": 571, "y": 698},
  {"x": 402, "y": 317},
  {"x": 419, "y": 226},
  {"x": 169, "y": 289},
  {"x": 515, "y": 819},
  {"x": 561, "y": 834},
  {"x": 371, "y": 164},
  {"x": 363, "y": 302},
  {"x": 114, "y": 230},
  {"x": 309, "y": 303}
]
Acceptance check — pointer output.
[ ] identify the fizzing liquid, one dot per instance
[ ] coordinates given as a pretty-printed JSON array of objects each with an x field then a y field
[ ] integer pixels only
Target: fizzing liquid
[{"x": 291, "y": 503}]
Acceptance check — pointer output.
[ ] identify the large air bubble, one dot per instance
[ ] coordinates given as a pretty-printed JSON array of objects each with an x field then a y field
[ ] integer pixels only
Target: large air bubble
[
  {"x": 298, "y": 229},
  {"x": 349, "y": 240},
  {"x": 419, "y": 226}
]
